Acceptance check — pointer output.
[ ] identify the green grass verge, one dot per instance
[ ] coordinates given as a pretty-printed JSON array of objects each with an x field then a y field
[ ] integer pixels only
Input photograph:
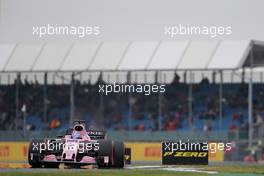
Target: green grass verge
[
  {"x": 249, "y": 169},
  {"x": 105, "y": 173},
  {"x": 231, "y": 170}
]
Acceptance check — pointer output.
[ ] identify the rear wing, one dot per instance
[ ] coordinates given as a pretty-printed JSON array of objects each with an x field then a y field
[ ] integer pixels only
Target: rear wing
[{"x": 94, "y": 134}]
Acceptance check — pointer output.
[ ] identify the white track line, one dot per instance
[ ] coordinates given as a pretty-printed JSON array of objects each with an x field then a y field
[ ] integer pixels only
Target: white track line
[{"x": 175, "y": 169}]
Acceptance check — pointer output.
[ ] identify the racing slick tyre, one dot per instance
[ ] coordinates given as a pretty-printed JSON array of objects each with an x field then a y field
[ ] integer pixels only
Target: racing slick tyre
[
  {"x": 105, "y": 149},
  {"x": 34, "y": 155},
  {"x": 118, "y": 154}
]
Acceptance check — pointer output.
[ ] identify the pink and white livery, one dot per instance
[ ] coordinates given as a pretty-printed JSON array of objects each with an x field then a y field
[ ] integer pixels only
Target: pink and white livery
[{"x": 76, "y": 148}]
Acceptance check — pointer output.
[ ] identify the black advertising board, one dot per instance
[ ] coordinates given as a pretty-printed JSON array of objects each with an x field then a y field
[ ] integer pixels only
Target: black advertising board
[{"x": 178, "y": 153}]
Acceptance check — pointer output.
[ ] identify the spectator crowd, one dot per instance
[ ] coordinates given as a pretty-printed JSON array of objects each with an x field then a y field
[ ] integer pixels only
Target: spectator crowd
[{"x": 48, "y": 107}]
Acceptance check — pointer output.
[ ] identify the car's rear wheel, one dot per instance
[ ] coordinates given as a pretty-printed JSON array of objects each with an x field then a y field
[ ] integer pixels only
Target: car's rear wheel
[{"x": 118, "y": 154}]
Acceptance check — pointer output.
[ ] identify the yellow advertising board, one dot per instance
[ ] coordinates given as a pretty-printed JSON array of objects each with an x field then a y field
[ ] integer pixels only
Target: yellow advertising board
[
  {"x": 216, "y": 155},
  {"x": 144, "y": 151},
  {"x": 13, "y": 151}
]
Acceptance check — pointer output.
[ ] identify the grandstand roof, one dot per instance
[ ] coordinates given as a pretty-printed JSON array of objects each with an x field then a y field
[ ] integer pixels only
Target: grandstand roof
[
  {"x": 115, "y": 59},
  {"x": 117, "y": 56}
]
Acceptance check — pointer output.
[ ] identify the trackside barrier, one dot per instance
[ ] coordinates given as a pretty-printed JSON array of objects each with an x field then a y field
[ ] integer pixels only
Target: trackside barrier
[
  {"x": 13, "y": 151},
  {"x": 140, "y": 151}
]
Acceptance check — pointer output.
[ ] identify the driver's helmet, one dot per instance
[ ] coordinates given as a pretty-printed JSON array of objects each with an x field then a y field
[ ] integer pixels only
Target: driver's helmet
[{"x": 76, "y": 135}]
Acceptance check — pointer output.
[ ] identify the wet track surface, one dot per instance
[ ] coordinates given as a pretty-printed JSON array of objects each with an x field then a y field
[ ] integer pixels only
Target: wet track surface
[
  {"x": 69, "y": 170},
  {"x": 24, "y": 168}
]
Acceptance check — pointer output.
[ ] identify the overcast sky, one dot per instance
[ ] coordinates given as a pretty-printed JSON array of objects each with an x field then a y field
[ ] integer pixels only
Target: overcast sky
[{"x": 130, "y": 19}]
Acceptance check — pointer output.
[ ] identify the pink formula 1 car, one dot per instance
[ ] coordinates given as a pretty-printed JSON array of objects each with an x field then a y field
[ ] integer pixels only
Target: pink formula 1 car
[{"x": 76, "y": 148}]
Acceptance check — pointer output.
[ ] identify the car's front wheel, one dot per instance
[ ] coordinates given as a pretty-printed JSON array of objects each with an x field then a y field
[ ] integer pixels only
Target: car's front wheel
[{"x": 34, "y": 155}]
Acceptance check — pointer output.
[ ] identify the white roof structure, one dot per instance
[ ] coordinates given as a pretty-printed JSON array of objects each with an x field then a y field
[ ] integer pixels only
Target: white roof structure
[
  {"x": 109, "y": 51},
  {"x": 168, "y": 55},
  {"x": 198, "y": 55},
  {"x": 115, "y": 59},
  {"x": 5, "y": 53},
  {"x": 23, "y": 57},
  {"x": 79, "y": 56},
  {"x": 230, "y": 55},
  {"x": 51, "y": 57},
  {"x": 138, "y": 55},
  {"x": 117, "y": 56}
]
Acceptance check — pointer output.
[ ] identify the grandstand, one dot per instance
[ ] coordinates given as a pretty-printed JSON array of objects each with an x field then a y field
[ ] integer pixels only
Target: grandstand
[{"x": 44, "y": 87}]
